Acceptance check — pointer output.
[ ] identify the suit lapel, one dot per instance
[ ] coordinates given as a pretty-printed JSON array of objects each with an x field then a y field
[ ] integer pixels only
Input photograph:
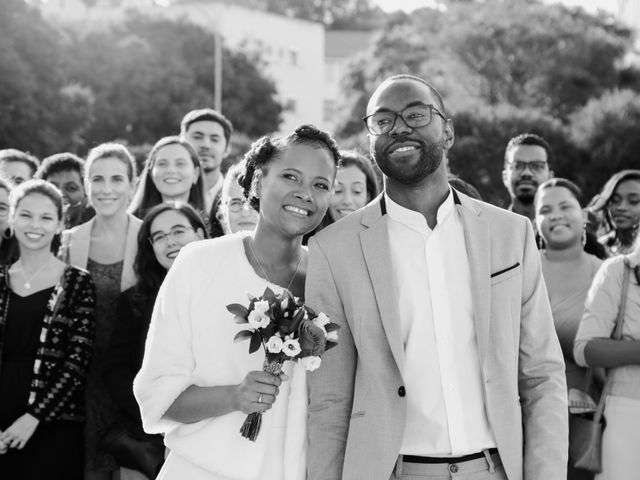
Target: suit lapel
[
  {"x": 377, "y": 255},
  {"x": 476, "y": 236}
]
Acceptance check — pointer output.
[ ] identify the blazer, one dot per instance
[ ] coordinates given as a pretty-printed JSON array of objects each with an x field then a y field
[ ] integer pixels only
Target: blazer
[
  {"x": 65, "y": 349},
  {"x": 74, "y": 249},
  {"x": 357, "y": 408}
]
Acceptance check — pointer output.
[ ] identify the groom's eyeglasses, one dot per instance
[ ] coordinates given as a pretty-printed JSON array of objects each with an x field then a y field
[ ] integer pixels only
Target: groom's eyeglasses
[{"x": 414, "y": 116}]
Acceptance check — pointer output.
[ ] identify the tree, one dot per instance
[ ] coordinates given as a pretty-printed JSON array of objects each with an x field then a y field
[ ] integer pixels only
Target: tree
[
  {"x": 481, "y": 136},
  {"x": 527, "y": 54},
  {"x": 608, "y": 128},
  {"x": 32, "y": 87},
  {"x": 147, "y": 74},
  {"x": 334, "y": 14}
]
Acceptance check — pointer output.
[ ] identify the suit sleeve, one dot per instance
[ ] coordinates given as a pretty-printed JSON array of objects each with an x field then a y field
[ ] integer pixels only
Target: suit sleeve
[
  {"x": 331, "y": 386},
  {"x": 541, "y": 377}
]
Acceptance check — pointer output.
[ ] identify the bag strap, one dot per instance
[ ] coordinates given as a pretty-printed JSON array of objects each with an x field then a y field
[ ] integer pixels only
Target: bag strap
[{"x": 617, "y": 335}]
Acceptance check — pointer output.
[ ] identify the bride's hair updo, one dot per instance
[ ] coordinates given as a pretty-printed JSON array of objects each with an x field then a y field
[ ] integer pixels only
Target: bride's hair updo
[{"x": 266, "y": 149}]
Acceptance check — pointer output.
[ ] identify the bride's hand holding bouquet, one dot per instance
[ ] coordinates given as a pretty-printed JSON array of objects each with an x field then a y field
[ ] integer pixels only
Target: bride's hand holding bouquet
[{"x": 287, "y": 330}]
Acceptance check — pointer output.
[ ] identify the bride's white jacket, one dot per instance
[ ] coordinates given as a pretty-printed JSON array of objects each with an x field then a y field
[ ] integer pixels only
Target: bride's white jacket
[{"x": 190, "y": 342}]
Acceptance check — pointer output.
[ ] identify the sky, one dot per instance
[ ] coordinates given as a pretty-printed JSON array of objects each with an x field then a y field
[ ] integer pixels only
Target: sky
[{"x": 409, "y": 5}]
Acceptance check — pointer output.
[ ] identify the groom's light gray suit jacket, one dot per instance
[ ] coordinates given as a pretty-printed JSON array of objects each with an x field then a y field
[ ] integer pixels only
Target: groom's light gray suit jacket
[{"x": 357, "y": 408}]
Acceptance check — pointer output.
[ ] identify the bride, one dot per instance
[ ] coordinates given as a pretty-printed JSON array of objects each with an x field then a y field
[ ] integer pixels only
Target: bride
[{"x": 196, "y": 385}]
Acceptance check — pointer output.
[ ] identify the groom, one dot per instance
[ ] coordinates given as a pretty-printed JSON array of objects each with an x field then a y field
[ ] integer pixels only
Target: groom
[{"x": 448, "y": 361}]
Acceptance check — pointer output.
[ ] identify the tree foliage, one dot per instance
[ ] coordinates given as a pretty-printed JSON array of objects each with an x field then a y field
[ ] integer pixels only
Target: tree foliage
[
  {"x": 503, "y": 68},
  {"x": 334, "y": 14},
  {"x": 608, "y": 128},
  {"x": 132, "y": 83}
]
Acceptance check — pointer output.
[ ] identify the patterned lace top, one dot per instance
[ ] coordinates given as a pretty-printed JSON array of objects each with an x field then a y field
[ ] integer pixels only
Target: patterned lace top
[{"x": 65, "y": 347}]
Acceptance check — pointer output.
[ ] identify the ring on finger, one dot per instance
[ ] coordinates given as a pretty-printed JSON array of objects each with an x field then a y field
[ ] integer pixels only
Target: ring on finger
[{"x": 260, "y": 398}]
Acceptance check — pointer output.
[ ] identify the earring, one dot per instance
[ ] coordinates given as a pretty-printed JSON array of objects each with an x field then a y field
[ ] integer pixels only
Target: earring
[
  {"x": 540, "y": 242},
  {"x": 584, "y": 235},
  {"x": 4, "y": 234}
]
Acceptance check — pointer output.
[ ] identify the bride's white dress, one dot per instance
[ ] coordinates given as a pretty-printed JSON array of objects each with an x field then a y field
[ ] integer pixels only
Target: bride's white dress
[{"x": 190, "y": 342}]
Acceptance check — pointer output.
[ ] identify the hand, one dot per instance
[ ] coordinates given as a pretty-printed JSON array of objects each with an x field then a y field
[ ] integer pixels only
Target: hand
[
  {"x": 257, "y": 392},
  {"x": 19, "y": 433}
]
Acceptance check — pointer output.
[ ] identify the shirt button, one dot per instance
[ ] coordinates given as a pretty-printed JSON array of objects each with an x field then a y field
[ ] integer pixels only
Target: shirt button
[
  {"x": 453, "y": 468},
  {"x": 402, "y": 392}
]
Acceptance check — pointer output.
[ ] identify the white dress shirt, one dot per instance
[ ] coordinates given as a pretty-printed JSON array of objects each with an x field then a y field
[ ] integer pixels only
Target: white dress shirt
[{"x": 446, "y": 413}]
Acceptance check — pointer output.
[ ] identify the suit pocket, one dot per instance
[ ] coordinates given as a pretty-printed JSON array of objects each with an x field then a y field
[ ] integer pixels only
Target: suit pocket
[{"x": 505, "y": 273}]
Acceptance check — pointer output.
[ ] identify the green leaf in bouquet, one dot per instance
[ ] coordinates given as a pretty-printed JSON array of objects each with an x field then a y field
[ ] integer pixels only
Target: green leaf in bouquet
[
  {"x": 312, "y": 312},
  {"x": 268, "y": 331},
  {"x": 256, "y": 341},
  {"x": 243, "y": 335},
  {"x": 329, "y": 345},
  {"x": 269, "y": 296},
  {"x": 331, "y": 327},
  {"x": 297, "y": 318},
  {"x": 239, "y": 311}
]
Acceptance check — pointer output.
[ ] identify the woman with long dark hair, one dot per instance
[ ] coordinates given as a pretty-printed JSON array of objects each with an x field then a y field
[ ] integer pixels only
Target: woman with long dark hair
[
  {"x": 171, "y": 173},
  {"x": 619, "y": 205},
  {"x": 165, "y": 230}
]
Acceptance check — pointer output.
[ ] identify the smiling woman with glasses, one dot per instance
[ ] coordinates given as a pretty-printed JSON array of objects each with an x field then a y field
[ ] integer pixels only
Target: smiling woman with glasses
[{"x": 165, "y": 230}]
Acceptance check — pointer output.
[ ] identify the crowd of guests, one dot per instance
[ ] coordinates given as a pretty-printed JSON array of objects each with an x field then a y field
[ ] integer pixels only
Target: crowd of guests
[{"x": 86, "y": 245}]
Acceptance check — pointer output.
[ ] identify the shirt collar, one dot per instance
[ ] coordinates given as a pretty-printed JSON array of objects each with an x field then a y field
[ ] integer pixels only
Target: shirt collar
[{"x": 414, "y": 219}]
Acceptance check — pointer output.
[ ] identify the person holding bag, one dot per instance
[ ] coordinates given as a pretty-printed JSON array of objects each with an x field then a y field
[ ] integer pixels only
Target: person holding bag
[
  {"x": 613, "y": 305},
  {"x": 568, "y": 272}
]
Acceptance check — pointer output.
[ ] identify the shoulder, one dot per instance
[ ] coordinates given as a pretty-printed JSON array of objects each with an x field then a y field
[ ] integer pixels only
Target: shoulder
[
  {"x": 493, "y": 213},
  {"x": 78, "y": 230},
  {"x": 76, "y": 276},
  {"x": 134, "y": 222},
  {"x": 349, "y": 226},
  {"x": 198, "y": 256},
  {"x": 611, "y": 270},
  {"x": 593, "y": 261}
]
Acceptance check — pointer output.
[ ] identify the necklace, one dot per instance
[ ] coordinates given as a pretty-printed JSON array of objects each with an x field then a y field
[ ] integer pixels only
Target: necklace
[
  {"x": 27, "y": 283},
  {"x": 265, "y": 273}
]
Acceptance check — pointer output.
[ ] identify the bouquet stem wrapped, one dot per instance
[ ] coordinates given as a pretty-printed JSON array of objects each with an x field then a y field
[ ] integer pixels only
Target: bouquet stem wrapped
[
  {"x": 252, "y": 424},
  {"x": 287, "y": 330}
]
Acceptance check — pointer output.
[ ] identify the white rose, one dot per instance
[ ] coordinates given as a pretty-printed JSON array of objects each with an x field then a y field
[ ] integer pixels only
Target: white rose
[
  {"x": 258, "y": 320},
  {"x": 332, "y": 336},
  {"x": 274, "y": 345},
  {"x": 310, "y": 363},
  {"x": 291, "y": 347},
  {"x": 320, "y": 326},
  {"x": 262, "y": 306},
  {"x": 322, "y": 319}
]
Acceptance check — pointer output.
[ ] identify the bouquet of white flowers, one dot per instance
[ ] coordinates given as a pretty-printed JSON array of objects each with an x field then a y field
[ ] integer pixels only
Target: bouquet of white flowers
[{"x": 287, "y": 330}]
